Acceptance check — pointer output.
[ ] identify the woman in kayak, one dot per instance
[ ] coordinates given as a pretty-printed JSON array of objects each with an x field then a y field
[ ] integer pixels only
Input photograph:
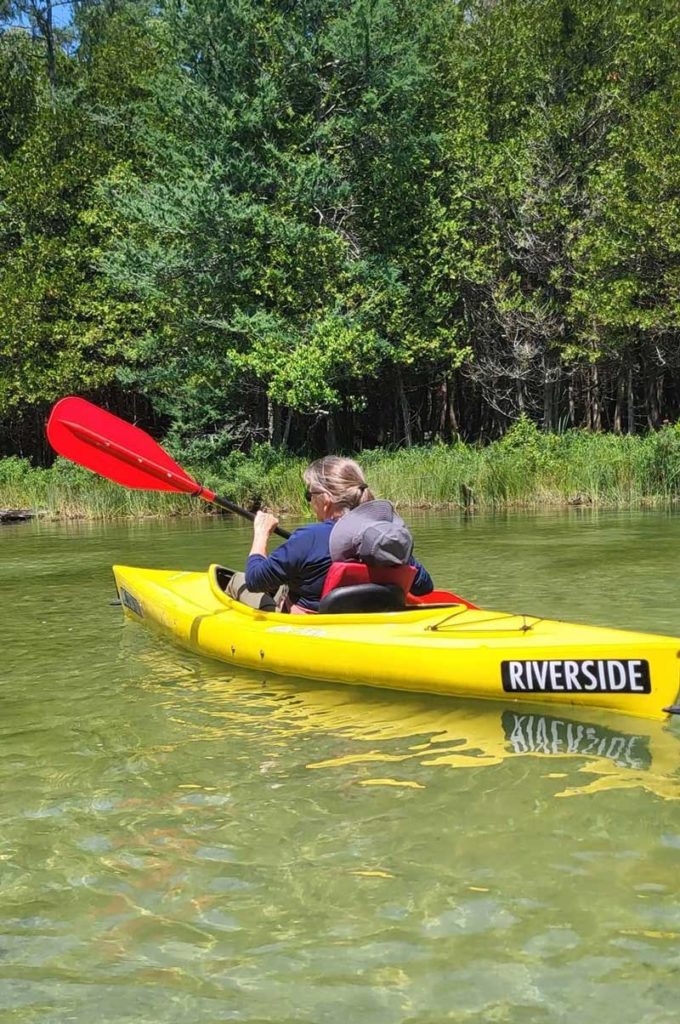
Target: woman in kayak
[{"x": 334, "y": 486}]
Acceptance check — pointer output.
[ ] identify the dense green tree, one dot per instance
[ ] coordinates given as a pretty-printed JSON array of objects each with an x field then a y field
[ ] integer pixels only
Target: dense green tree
[
  {"x": 342, "y": 222},
  {"x": 281, "y": 225},
  {"x": 62, "y": 326},
  {"x": 560, "y": 135},
  {"x": 625, "y": 298}
]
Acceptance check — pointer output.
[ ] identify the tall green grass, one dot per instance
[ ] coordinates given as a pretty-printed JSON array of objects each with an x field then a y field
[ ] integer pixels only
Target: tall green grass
[
  {"x": 67, "y": 491},
  {"x": 526, "y": 468}
]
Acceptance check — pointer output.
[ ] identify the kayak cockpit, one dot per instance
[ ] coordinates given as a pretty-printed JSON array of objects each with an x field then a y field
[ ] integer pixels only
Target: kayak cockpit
[{"x": 354, "y": 599}]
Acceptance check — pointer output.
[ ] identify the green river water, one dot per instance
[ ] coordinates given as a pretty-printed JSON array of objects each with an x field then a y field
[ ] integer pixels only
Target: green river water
[{"x": 183, "y": 844}]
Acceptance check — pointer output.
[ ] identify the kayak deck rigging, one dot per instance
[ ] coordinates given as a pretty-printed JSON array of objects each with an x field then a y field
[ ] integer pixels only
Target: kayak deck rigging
[{"x": 446, "y": 625}]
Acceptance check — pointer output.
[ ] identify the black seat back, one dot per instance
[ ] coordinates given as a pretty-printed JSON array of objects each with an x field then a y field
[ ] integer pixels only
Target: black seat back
[{"x": 363, "y": 597}]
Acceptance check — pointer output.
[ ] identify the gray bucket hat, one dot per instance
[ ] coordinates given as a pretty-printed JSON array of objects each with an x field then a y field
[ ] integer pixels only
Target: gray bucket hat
[{"x": 372, "y": 533}]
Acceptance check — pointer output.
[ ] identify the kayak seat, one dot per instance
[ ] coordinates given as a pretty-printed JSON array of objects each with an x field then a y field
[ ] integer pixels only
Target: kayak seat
[
  {"x": 363, "y": 597},
  {"x": 353, "y": 574},
  {"x": 357, "y": 587}
]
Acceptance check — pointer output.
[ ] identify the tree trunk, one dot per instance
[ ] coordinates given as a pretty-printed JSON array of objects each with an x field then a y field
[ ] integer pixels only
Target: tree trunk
[
  {"x": 51, "y": 49},
  {"x": 419, "y": 424},
  {"x": 405, "y": 412},
  {"x": 429, "y": 417},
  {"x": 631, "y": 402},
  {"x": 443, "y": 401},
  {"x": 572, "y": 402},
  {"x": 273, "y": 422},
  {"x": 452, "y": 415},
  {"x": 594, "y": 399},
  {"x": 43, "y": 14},
  {"x": 286, "y": 429},
  {"x": 617, "y": 425},
  {"x": 331, "y": 438},
  {"x": 652, "y": 400},
  {"x": 551, "y": 376}
]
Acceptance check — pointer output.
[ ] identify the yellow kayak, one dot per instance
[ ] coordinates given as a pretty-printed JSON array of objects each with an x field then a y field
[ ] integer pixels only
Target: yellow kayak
[{"x": 454, "y": 651}]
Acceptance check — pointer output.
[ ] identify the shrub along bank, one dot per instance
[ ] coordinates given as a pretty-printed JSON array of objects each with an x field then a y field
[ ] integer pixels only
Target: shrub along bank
[{"x": 526, "y": 468}]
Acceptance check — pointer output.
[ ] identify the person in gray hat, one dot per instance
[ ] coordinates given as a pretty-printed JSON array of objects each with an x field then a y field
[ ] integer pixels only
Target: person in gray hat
[{"x": 351, "y": 526}]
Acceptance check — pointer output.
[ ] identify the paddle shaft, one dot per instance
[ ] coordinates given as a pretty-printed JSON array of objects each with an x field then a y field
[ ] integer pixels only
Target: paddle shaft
[
  {"x": 229, "y": 506},
  {"x": 176, "y": 480}
]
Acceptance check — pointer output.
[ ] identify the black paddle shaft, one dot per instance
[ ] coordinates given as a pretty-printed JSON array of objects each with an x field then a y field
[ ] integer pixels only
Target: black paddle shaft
[{"x": 229, "y": 506}]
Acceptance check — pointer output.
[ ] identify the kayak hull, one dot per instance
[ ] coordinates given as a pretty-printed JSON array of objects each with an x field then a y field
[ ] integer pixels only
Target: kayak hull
[{"x": 454, "y": 651}]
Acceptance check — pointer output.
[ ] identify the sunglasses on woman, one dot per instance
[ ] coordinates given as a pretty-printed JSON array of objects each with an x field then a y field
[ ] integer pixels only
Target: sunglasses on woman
[{"x": 311, "y": 494}]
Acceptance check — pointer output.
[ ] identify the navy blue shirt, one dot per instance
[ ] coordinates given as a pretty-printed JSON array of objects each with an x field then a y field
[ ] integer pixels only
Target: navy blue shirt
[{"x": 303, "y": 562}]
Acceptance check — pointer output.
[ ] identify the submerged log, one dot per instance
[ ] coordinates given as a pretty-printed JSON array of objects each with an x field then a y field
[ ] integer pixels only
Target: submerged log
[{"x": 15, "y": 515}]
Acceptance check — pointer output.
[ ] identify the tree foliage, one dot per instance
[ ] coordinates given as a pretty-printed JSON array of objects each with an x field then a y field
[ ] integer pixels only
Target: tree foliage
[
  {"x": 62, "y": 327},
  {"x": 351, "y": 222}
]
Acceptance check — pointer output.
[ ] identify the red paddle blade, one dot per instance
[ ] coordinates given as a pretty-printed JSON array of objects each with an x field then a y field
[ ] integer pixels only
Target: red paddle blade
[{"x": 102, "y": 442}]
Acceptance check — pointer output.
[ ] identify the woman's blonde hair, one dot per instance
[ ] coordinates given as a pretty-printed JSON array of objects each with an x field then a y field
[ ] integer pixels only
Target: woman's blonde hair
[{"x": 342, "y": 479}]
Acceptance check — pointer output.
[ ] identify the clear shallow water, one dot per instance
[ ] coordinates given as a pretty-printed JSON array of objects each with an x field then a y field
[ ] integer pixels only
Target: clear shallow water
[{"x": 180, "y": 843}]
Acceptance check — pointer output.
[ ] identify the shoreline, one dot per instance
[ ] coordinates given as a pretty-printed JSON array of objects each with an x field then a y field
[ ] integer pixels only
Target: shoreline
[
  {"x": 32, "y": 515},
  {"x": 524, "y": 470}
]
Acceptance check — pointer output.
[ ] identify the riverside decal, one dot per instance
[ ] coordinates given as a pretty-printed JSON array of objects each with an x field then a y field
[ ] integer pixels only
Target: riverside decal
[{"x": 603, "y": 675}]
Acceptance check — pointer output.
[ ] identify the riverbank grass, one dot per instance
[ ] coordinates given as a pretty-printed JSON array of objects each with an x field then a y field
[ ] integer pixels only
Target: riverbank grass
[{"x": 525, "y": 469}]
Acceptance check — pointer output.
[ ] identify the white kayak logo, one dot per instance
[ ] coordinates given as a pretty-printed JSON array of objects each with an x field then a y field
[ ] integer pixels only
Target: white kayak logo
[{"x": 605, "y": 675}]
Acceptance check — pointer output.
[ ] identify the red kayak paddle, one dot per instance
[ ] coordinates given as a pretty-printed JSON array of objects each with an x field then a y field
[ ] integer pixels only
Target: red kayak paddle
[{"x": 108, "y": 445}]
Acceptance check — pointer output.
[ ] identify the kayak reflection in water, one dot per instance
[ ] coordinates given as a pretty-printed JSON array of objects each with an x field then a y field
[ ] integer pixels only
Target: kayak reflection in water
[{"x": 351, "y": 526}]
